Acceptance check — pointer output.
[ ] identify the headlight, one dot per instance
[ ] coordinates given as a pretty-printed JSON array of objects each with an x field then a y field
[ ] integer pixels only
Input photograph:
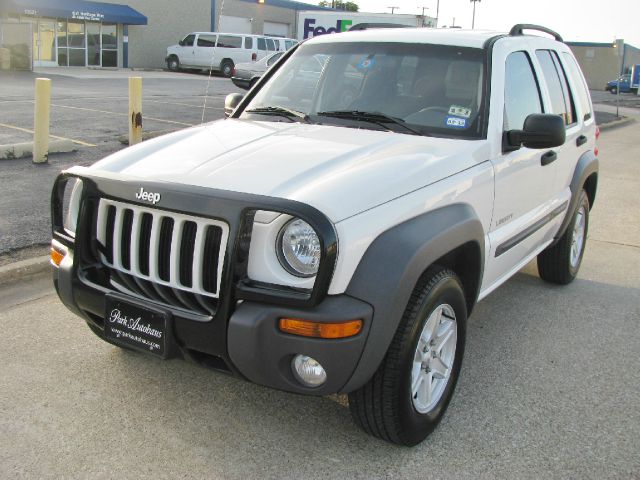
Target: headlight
[
  {"x": 72, "y": 195},
  {"x": 298, "y": 248}
]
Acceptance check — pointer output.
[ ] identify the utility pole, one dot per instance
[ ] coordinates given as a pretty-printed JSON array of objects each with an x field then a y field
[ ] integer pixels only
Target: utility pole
[
  {"x": 437, "y": 12},
  {"x": 423, "y": 9},
  {"x": 473, "y": 21},
  {"x": 393, "y": 9}
]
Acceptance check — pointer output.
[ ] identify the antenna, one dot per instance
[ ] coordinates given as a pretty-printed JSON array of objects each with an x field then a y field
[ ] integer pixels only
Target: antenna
[{"x": 213, "y": 54}]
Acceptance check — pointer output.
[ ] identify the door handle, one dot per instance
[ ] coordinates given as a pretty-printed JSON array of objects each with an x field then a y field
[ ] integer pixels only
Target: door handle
[
  {"x": 581, "y": 140},
  {"x": 548, "y": 157}
]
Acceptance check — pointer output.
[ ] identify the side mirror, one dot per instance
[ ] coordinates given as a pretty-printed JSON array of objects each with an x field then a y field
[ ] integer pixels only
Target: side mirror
[
  {"x": 540, "y": 130},
  {"x": 181, "y": 43},
  {"x": 231, "y": 101}
]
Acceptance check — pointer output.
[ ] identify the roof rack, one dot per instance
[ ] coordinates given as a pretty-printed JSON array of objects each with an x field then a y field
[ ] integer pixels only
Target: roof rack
[{"x": 520, "y": 27}]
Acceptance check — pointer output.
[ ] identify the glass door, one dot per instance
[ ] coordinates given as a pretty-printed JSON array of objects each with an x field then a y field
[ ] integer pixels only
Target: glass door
[
  {"x": 93, "y": 44},
  {"x": 44, "y": 44}
]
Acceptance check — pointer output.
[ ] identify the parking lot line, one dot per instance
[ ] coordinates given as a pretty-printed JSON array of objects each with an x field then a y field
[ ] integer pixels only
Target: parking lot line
[
  {"x": 180, "y": 104},
  {"x": 79, "y": 142},
  {"x": 174, "y": 122}
]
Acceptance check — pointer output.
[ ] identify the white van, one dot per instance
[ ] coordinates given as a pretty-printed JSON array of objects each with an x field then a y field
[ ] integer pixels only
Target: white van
[{"x": 221, "y": 51}]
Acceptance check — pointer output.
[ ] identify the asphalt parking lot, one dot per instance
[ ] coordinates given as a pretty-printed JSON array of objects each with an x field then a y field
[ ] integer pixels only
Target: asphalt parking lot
[
  {"x": 549, "y": 387},
  {"x": 89, "y": 107}
]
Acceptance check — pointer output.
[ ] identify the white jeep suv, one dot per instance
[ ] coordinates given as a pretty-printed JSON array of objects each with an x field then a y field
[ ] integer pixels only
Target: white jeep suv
[{"x": 321, "y": 242}]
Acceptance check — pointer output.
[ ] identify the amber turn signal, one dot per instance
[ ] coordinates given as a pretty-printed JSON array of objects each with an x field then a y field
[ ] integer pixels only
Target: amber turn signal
[
  {"x": 308, "y": 328},
  {"x": 56, "y": 257}
]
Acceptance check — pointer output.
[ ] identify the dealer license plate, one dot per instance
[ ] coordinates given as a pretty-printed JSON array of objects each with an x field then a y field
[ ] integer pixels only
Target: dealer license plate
[{"x": 140, "y": 327}]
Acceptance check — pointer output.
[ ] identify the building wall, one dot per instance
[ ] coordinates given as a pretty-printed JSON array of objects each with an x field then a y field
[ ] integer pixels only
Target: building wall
[
  {"x": 602, "y": 62},
  {"x": 259, "y": 13},
  {"x": 168, "y": 23}
]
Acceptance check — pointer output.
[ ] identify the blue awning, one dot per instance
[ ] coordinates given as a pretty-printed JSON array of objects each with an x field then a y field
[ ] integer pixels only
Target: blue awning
[{"x": 76, "y": 10}]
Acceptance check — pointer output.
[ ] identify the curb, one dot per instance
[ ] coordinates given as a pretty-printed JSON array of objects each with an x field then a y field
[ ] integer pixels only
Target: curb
[
  {"x": 616, "y": 123},
  {"x": 13, "y": 151},
  {"x": 18, "y": 270}
]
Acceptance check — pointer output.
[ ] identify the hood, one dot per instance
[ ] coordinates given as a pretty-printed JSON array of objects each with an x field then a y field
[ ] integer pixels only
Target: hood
[{"x": 340, "y": 171}]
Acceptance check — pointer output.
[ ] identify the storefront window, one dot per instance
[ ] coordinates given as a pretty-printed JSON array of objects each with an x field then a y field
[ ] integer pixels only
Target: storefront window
[
  {"x": 76, "y": 57},
  {"x": 62, "y": 34},
  {"x": 93, "y": 44},
  {"x": 63, "y": 56},
  {"x": 109, "y": 37}
]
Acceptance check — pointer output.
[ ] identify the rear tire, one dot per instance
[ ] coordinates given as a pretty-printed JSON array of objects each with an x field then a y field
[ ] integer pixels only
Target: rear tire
[
  {"x": 226, "y": 67},
  {"x": 407, "y": 396},
  {"x": 560, "y": 263}
]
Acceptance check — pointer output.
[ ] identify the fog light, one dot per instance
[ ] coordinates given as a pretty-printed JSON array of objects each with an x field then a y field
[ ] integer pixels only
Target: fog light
[{"x": 308, "y": 371}]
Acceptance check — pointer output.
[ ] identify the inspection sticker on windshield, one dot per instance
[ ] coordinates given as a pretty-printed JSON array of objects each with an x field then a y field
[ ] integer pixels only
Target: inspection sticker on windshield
[
  {"x": 460, "y": 111},
  {"x": 367, "y": 63},
  {"x": 456, "y": 122}
]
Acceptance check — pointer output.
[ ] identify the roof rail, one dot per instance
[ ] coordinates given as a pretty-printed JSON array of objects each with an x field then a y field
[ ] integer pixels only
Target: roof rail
[
  {"x": 520, "y": 27},
  {"x": 367, "y": 26}
]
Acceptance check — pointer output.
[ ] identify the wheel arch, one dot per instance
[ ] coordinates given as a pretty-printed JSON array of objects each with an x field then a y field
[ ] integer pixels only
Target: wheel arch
[
  {"x": 585, "y": 176},
  {"x": 387, "y": 274}
]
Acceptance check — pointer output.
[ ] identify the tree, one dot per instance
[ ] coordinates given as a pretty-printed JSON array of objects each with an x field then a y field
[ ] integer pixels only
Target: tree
[{"x": 340, "y": 5}]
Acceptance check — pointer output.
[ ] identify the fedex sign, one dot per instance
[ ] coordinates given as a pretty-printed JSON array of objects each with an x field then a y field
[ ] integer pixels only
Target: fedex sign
[{"x": 311, "y": 30}]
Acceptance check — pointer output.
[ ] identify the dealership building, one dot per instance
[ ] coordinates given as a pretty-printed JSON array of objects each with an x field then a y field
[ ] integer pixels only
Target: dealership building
[{"x": 111, "y": 34}]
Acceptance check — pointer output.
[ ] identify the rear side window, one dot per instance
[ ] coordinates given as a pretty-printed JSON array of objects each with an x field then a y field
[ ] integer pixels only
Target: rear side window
[
  {"x": 289, "y": 43},
  {"x": 521, "y": 92},
  {"x": 229, "y": 41},
  {"x": 188, "y": 40},
  {"x": 271, "y": 45},
  {"x": 262, "y": 44},
  {"x": 580, "y": 87},
  {"x": 206, "y": 41},
  {"x": 248, "y": 43},
  {"x": 561, "y": 101}
]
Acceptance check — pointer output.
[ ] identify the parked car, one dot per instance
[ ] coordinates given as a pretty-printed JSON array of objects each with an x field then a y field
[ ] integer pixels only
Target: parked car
[
  {"x": 321, "y": 245},
  {"x": 220, "y": 51},
  {"x": 245, "y": 75},
  {"x": 628, "y": 82}
]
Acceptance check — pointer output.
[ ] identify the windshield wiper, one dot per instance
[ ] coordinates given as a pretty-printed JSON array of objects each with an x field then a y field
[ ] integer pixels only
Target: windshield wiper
[
  {"x": 281, "y": 111},
  {"x": 372, "y": 117}
]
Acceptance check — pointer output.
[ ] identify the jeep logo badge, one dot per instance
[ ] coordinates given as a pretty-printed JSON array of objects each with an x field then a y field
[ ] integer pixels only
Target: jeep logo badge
[{"x": 148, "y": 196}]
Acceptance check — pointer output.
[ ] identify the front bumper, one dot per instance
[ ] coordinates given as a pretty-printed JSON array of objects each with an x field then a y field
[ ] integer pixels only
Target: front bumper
[
  {"x": 244, "y": 83},
  {"x": 255, "y": 349}
]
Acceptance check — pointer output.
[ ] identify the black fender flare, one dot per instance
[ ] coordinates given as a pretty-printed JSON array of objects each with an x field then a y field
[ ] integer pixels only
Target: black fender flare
[
  {"x": 391, "y": 267},
  {"x": 587, "y": 165}
]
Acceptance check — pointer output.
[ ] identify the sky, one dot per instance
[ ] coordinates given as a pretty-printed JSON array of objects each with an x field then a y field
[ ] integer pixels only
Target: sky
[{"x": 574, "y": 20}]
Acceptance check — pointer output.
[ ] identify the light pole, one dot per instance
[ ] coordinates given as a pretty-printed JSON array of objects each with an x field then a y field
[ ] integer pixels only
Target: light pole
[
  {"x": 393, "y": 9},
  {"x": 473, "y": 21},
  {"x": 437, "y": 12}
]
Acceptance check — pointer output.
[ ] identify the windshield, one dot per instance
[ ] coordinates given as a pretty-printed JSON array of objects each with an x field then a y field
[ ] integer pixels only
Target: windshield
[{"x": 429, "y": 89}]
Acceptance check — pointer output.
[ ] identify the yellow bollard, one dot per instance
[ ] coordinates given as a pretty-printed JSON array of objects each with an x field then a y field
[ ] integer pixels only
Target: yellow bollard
[
  {"x": 135, "y": 110},
  {"x": 41, "y": 120}
]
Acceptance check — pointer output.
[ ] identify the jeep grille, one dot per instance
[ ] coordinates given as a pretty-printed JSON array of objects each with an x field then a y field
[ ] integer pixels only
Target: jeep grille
[{"x": 166, "y": 256}]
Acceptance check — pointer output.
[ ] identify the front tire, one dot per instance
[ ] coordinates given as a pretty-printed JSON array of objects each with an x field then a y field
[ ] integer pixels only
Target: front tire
[
  {"x": 173, "y": 64},
  {"x": 560, "y": 263},
  {"x": 407, "y": 396}
]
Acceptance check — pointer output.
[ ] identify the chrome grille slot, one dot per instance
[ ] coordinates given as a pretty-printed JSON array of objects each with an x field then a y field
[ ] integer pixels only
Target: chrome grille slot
[{"x": 169, "y": 257}]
